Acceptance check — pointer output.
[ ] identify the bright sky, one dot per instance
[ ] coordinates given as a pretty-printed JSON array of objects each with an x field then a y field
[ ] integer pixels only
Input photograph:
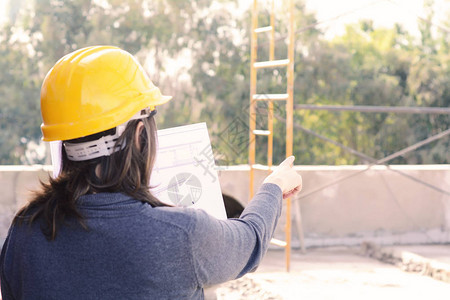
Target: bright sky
[
  {"x": 2, "y": 10},
  {"x": 382, "y": 12}
]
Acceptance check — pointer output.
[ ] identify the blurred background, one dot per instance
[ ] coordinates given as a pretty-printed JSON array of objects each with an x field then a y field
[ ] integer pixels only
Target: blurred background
[
  {"x": 385, "y": 53},
  {"x": 375, "y": 163}
]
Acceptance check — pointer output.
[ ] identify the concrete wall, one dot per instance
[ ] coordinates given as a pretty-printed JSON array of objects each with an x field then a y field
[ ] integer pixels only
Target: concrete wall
[
  {"x": 16, "y": 185},
  {"x": 380, "y": 204}
]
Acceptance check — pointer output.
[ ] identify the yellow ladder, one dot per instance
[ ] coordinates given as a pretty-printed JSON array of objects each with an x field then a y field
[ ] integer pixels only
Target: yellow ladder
[{"x": 288, "y": 97}]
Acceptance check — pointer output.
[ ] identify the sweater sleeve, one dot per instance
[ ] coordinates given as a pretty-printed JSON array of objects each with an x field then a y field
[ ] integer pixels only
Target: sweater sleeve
[{"x": 227, "y": 249}]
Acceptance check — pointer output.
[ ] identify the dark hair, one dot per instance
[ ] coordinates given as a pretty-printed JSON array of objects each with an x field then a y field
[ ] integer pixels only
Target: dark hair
[{"x": 126, "y": 171}]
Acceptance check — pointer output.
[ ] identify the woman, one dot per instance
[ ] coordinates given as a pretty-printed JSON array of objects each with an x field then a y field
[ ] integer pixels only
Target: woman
[{"x": 96, "y": 231}]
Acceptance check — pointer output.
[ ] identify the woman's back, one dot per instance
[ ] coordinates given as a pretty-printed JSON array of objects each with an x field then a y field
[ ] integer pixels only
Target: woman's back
[{"x": 134, "y": 251}]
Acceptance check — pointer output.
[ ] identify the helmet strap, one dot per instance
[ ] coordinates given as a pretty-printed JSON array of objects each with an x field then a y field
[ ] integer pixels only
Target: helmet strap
[{"x": 104, "y": 146}]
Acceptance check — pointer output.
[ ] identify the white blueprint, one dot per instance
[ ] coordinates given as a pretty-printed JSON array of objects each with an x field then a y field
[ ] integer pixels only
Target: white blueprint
[{"x": 184, "y": 172}]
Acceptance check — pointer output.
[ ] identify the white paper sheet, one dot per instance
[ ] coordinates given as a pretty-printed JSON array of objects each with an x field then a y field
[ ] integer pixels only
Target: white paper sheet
[
  {"x": 55, "y": 152},
  {"x": 184, "y": 172}
]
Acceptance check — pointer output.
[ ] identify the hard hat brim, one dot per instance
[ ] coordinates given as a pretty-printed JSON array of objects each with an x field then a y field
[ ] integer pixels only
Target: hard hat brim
[{"x": 88, "y": 127}]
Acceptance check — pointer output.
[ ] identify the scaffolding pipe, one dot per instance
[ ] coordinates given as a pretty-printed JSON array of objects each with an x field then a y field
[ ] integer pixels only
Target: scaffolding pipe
[
  {"x": 290, "y": 127},
  {"x": 252, "y": 121},
  {"x": 380, "y": 109}
]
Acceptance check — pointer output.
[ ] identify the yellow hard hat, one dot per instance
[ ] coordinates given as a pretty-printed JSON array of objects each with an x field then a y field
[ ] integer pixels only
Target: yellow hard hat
[{"x": 92, "y": 90}]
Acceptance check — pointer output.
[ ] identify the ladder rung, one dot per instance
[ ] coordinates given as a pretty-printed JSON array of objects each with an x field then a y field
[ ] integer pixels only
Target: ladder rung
[
  {"x": 261, "y": 132},
  {"x": 259, "y": 167},
  {"x": 278, "y": 242},
  {"x": 271, "y": 63},
  {"x": 263, "y": 29},
  {"x": 270, "y": 97}
]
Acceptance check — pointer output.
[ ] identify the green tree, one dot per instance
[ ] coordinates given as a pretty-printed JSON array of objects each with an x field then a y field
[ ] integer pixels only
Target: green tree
[
  {"x": 19, "y": 98},
  {"x": 198, "y": 51}
]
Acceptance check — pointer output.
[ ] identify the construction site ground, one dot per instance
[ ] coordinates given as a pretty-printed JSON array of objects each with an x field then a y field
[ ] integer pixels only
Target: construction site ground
[{"x": 365, "y": 272}]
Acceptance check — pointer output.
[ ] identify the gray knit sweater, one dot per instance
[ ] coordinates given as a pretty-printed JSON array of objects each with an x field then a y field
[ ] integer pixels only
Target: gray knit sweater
[{"x": 134, "y": 251}]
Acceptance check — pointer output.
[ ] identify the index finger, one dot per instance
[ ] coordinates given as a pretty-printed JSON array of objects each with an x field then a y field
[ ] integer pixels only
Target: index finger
[{"x": 288, "y": 162}]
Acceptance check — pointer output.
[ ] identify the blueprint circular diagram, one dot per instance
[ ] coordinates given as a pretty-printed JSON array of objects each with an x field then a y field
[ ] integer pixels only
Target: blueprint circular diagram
[{"x": 184, "y": 189}]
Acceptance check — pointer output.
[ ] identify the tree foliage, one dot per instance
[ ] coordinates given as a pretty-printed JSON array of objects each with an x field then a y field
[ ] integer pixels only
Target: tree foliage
[{"x": 198, "y": 51}]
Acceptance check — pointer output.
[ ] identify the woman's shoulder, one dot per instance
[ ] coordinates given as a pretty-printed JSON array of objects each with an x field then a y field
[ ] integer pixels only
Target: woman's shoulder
[{"x": 182, "y": 217}]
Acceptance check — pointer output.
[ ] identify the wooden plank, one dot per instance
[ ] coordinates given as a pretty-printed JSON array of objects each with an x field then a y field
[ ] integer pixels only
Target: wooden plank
[
  {"x": 279, "y": 243},
  {"x": 271, "y": 63},
  {"x": 270, "y": 97},
  {"x": 263, "y": 29},
  {"x": 261, "y": 132}
]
